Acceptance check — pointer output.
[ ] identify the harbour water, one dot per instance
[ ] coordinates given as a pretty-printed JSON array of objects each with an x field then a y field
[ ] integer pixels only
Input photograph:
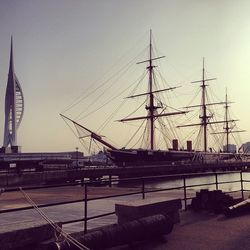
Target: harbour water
[{"x": 206, "y": 182}]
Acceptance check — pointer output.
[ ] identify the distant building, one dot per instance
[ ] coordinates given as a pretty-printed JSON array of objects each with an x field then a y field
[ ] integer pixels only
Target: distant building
[
  {"x": 245, "y": 148},
  {"x": 99, "y": 158},
  {"x": 231, "y": 148},
  {"x": 48, "y": 159}
]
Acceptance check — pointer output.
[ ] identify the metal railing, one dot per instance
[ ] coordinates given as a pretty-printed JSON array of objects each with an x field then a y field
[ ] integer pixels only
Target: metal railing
[{"x": 141, "y": 185}]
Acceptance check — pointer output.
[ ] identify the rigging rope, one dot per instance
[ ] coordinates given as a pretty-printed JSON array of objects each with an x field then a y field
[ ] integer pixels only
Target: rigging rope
[
  {"x": 132, "y": 137},
  {"x": 163, "y": 131},
  {"x": 98, "y": 98},
  {"x": 58, "y": 229},
  {"x": 77, "y": 136},
  {"x": 136, "y": 109},
  {"x": 79, "y": 99},
  {"x": 104, "y": 124},
  {"x": 144, "y": 138},
  {"x": 80, "y": 137},
  {"x": 107, "y": 102}
]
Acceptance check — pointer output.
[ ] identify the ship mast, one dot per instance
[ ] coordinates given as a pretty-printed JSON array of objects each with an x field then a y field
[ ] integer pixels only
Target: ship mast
[
  {"x": 228, "y": 129},
  {"x": 151, "y": 106},
  {"x": 226, "y": 124},
  {"x": 205, "y": 118},
  {"x": 152, "y": 114}
]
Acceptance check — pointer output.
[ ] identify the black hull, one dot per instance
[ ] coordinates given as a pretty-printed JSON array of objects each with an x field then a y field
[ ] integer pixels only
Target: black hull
[
  {"x": 148, "y": 157},
  {"x": 127, "y": 157}
]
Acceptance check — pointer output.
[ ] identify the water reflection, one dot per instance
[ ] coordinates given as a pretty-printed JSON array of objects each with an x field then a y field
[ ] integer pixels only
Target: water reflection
[{"x": 205, "y": 182}]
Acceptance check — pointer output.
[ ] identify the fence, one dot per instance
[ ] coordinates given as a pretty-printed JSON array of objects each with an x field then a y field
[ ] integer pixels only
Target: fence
[{"x": 142, "y": 182}]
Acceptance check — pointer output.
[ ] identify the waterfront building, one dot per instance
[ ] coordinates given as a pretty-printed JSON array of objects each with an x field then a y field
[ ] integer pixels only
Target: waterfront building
[{"x": 245, "y": 147}]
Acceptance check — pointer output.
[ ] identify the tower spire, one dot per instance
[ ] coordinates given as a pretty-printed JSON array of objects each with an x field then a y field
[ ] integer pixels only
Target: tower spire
[
  {"x": 14, "y": 105},
  {"x": 11, "y": 52}
]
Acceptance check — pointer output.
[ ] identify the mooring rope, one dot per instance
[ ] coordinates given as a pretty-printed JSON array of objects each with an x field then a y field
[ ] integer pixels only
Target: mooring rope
[{"x": 58, "y": 229}]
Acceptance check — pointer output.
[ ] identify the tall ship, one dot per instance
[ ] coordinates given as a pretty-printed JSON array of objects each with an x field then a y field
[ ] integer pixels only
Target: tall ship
[{"x": 154, "y": 116}]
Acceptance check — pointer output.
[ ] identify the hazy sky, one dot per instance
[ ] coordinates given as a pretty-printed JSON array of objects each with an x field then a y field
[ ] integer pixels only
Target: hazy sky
[{"x": 61, "y": 47}]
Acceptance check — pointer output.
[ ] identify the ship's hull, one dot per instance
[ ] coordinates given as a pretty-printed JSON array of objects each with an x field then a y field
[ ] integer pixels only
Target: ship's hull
[
  {"x": 128, "y": 157},
  {"x": 125, "y": 157}
]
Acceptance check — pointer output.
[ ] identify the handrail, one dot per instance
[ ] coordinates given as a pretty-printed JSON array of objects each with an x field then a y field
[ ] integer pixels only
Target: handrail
[
  {"x": 107, "y": 181},
  {"x": 143, "y": 191}
]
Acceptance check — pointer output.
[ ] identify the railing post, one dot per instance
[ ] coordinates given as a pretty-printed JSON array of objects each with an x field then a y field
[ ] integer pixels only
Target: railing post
[
  {"x": 85, "y": 207},
  {"x": 241, "y": 183},
  {"x": 8, "y": 173},
  {"x": 82, "y": 182},
  {"x": 143, "y": 188},
  {"x": 216, "y": 181},
  {"x": 185, "y": 192},
  {"x": 110, "y": 180}
]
